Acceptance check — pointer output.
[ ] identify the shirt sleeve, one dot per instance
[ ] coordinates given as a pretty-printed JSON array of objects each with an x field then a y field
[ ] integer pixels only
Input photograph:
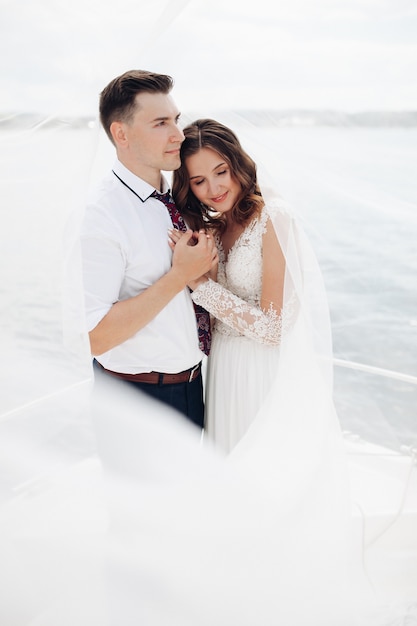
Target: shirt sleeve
[
  {"x": 103, "y": 267},
  {"x": 245, "y": 318}
]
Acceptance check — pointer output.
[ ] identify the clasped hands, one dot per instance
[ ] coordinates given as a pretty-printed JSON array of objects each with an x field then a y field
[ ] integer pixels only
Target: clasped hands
[{"x": 195, "y": 252}]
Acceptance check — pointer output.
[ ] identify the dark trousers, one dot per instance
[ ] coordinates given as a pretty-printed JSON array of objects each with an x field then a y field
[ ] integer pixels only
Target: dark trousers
[{"x": 187, "y": 398}]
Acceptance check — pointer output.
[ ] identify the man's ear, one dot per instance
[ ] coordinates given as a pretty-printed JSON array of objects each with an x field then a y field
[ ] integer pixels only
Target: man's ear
[{"x": 118, "y": 132}]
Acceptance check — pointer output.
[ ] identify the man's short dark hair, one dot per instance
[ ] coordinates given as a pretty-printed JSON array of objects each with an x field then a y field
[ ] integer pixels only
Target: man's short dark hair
[{"x": 117, "y": 100}]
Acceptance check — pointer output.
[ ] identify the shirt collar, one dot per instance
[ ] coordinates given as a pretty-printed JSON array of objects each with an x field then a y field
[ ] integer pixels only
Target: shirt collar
[{"x": 139, "y": 186}]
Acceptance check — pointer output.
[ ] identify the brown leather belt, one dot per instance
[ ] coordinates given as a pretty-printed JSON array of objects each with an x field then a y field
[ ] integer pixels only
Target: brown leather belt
[{"x": 159, "y": 378}]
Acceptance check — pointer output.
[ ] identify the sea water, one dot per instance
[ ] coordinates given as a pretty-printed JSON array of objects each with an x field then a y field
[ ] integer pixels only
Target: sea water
[{"x": 355, "y": 190}]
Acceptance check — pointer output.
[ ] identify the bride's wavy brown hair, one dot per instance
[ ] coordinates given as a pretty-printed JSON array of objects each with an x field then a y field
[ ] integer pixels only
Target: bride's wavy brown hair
[{"x": 207, "y": 133}]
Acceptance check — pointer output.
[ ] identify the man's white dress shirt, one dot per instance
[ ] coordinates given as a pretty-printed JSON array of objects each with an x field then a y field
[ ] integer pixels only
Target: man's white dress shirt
[{"x": 124, "y": 241}]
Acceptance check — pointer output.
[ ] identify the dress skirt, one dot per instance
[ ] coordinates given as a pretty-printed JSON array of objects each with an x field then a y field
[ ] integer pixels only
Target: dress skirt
[{"x": 240, "y": 372}]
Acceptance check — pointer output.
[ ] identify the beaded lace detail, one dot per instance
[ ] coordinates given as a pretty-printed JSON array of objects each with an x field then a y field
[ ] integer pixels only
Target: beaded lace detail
[{"x": 235, "y": 299}]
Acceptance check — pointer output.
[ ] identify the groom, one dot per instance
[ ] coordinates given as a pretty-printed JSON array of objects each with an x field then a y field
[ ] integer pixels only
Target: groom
[{"x": 140, "y": 317}]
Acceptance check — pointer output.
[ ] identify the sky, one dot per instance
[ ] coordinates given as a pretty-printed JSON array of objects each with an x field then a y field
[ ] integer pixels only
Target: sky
[{"x": 348, "y": 55}]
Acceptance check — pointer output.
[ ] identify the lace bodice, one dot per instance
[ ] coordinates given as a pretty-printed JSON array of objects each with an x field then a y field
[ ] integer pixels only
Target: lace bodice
[{"x": 234, "y": 300}]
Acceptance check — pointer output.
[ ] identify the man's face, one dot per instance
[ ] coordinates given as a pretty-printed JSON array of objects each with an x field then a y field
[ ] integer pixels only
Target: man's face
[{"x": 153, "y": 135}]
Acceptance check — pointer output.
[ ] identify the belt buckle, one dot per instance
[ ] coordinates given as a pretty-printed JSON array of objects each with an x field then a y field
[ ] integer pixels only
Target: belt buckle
[{"x": 194, "y": 369}]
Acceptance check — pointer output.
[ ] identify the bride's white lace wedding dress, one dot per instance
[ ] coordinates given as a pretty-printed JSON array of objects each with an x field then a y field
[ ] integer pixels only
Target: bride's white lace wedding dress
[{"x": 246, "y": 339}]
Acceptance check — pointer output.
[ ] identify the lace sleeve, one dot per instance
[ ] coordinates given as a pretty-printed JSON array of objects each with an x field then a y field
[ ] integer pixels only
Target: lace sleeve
[{"x": 247, "y": 319}]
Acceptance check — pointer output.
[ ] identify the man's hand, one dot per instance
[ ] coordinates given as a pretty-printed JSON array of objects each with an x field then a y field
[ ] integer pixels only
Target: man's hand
[{"x": 194, "y": 254}]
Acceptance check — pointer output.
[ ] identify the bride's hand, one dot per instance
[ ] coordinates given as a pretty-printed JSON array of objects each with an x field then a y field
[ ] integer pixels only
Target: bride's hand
[{"x": 174, "y": 235}]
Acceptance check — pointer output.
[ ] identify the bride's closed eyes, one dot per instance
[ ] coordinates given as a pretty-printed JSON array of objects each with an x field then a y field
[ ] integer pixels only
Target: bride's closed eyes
[{"x": 198, "y": 182}]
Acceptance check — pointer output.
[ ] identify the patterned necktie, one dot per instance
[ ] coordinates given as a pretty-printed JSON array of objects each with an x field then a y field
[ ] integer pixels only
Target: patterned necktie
[{"x": 202, "y": 316}]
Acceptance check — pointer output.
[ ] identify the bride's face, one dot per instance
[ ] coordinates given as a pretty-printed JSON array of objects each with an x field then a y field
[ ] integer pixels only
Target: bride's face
[{"x": 211, "y": 180}]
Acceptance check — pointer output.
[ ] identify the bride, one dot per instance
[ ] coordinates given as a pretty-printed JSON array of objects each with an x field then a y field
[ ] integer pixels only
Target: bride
[
  {"x": 262, "y": 298},
  {"x": 216, "y": 188}
]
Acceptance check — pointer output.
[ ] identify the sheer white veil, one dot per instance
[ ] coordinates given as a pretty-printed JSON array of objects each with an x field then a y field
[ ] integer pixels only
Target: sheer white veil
[
  {"x": 113, "y": 514},
  {"x": 110, "y": 514}
]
